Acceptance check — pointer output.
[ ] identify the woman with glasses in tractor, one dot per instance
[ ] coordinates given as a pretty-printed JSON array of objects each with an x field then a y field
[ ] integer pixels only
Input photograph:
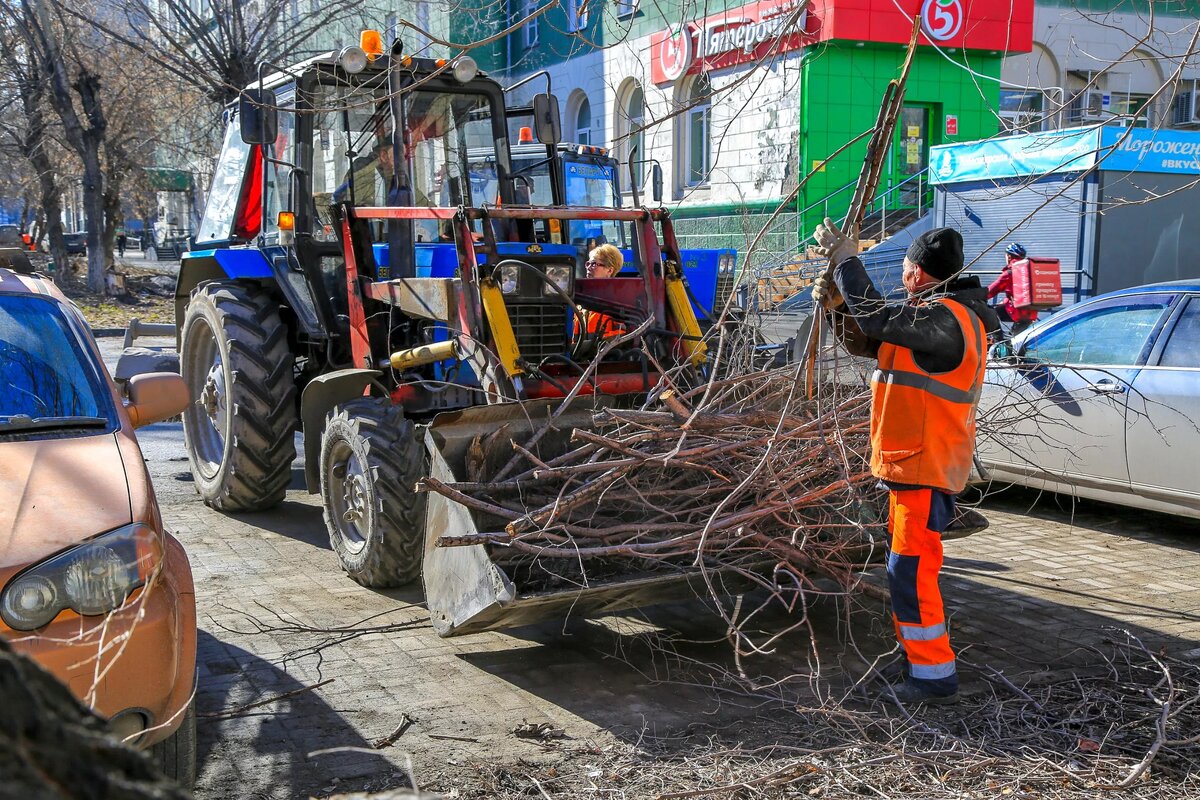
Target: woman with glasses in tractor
[{"x": 604, "y": 261}]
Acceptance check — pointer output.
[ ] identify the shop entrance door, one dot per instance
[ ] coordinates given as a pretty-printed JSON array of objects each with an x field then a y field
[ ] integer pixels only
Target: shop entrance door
[{"x": 911, "y": 156}]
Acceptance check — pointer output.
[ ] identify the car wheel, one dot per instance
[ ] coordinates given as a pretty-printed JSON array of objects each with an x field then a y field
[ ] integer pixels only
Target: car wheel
[
  {"x": 239, "y": 429},
  {"x": 371, "y": 460},
  {"x": 176, "y": 755}
]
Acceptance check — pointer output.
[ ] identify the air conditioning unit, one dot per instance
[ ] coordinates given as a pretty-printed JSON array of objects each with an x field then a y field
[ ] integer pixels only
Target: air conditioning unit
[
  {"x": 1088, "y": 106},
  {"x": 1186, "y": 109}
]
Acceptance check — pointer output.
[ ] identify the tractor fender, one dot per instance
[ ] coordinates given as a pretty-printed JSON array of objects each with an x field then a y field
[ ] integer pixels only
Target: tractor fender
[
  {"x": 198, "y": 266},
  {"x": 319, "y": 398}
]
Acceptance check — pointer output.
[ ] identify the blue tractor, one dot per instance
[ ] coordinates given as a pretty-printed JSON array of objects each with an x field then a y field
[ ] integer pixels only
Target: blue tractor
[{"x": 357, "y": 280}]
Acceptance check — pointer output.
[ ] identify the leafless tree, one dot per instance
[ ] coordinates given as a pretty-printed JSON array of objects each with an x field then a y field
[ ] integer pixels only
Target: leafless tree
[
  {"x": 55, "y": 54},
  {"x": 218, "y": 47},
  {"x": 28, "y": 135}
]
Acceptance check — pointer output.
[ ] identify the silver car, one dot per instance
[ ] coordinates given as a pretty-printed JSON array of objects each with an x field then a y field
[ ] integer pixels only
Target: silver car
[{"x": 1102, "y": 401}]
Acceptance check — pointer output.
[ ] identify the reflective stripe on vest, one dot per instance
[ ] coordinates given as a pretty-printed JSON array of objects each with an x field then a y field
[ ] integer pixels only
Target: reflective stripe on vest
[
  {"x": 929, "y": 384},
  {"x": 922, "y": 423},
  {"x": 916, "y": 633},
  {"x": 931, "y": 672}
]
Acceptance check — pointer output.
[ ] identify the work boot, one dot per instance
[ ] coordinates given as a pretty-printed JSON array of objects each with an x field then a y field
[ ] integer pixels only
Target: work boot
[
  {"x": 966, "y": 522},
  {"x": 895, "y": 671},
  {"x": 911, "y": 693}
]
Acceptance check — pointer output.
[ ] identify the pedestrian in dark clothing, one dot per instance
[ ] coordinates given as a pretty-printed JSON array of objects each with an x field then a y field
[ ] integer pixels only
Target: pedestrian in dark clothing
[
  {"x": 1021, "y": 318},
  {"x": 931, "y": 352},
  {"x": 121, "y": 243}
]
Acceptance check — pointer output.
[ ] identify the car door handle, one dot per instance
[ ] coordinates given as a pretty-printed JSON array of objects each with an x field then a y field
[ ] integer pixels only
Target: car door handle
[{"x": 1107, "y": 386}]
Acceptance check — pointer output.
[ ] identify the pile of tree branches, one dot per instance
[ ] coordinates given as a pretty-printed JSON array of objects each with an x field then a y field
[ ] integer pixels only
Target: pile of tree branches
[{"x": 742, "y": 473}]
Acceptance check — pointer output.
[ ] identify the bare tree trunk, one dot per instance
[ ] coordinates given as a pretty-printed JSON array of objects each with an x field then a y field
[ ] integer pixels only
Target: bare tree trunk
[
  {"x": 84, "y": 139},
  {"x": 34, "y": 148},
  {"x": 39, "y": 226},
  {"x": 99, "y": 251},
  {"x": 112, "y": 217}
]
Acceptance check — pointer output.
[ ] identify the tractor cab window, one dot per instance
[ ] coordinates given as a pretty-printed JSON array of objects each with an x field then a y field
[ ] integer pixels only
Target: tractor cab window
[
  {"x": 532, "y": 186},
  {"x": 227, "y": 188},
  {"x": 277, "y": 187},
  {"x": 443, "y": 135},
  {"x": 593, "y": 184},
  {"x": 351, "y": 153}
]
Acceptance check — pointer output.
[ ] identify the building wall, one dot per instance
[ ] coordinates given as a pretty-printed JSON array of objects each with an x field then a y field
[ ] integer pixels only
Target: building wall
[
  {"x": 842, "y": 87},
  {"x": 1073, "y": 41}
]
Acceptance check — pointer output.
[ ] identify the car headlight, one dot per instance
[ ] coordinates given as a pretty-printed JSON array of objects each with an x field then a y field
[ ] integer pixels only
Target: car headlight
[
  {"x": 91, "y": 579},
  {"x": 560, "y": 276},
  {"x": 508, "y": 278}
]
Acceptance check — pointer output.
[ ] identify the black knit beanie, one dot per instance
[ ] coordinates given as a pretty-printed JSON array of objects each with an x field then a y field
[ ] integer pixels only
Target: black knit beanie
[{"x": 939, "y": 252}]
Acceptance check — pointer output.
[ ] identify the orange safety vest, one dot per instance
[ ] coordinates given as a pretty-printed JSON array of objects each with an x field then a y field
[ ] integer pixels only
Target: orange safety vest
[
  {"x": 601, "y": 325},
  {"x": 923, "y": 424}
]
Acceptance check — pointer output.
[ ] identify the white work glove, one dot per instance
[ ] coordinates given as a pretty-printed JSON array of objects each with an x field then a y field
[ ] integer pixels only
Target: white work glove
[
  {"x": 833, "y": 244},
  {"x": 826, "y": 293}
]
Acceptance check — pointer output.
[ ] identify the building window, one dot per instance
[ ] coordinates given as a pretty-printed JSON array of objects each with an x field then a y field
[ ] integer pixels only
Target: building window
[
  {"x": 529, "y": 31},
  {"x": 696, "y": 119},
  {"x": 626, "y": 8},
  {"x": 577, "y": 15},
  {"x": 1020, "y": 111},
  {"x": 1130, "y": 109},
  {"x": 631, "y": 120},
  {"x": 583, "y": 121}
]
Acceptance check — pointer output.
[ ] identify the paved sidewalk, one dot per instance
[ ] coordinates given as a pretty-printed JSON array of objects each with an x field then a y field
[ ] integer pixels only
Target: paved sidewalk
[{"x": 1047, "y": 580}]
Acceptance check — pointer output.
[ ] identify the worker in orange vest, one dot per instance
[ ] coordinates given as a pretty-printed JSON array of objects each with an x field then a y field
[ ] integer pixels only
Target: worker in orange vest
[
  {"x": 923, "y": 397},
  {"x": 604, "y": 261},
  {"x": 1021, "y": 318}
]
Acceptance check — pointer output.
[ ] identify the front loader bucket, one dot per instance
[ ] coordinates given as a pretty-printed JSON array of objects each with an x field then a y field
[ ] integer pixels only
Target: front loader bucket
[{"x": 465, "y": 589}]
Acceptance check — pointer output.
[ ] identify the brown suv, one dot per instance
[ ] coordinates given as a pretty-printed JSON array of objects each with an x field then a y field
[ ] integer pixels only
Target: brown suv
[{"x": 91, "y": 585}]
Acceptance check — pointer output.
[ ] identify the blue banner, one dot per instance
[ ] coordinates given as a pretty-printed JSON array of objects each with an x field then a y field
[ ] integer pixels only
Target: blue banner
[
  {"x": 1150, "y": 150},
  {"x": 1015, "y": 156}
]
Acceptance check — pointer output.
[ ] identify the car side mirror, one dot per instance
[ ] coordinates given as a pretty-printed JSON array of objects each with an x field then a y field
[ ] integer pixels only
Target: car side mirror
[
  {"x": 1004, "y": 351},
  {"x": 656, "y": 182},
  {"x": 155, "y": 396},
  {"x": 258, "y": 116},
  {"x": 546, "y": 120}
]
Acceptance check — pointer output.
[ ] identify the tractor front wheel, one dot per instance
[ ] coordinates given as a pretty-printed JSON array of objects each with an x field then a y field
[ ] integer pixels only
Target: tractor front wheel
[
  {"x": 371, "y": 460},
  {"x": 240, "y": 428}
]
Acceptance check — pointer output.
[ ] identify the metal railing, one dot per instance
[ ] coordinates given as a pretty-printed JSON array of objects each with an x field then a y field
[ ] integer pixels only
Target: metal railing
[{"x": 792, "y": 267}]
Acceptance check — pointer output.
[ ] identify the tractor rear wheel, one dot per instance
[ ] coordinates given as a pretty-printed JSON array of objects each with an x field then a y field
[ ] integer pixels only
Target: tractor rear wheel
[
  {"x": 371, "y": 460},
  {"x": 239, "y": 430}
]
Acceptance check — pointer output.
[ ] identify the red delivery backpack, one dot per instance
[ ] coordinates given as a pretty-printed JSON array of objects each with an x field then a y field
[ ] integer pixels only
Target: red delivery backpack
[{"x": 1037, "y": 283}]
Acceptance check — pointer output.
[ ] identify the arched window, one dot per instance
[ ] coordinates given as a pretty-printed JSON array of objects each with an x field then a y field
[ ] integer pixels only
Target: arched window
[
  {"x": 694, "y": 149},
  {"x": 631, "y": 119},
  {"x": 583, "y": 121}
]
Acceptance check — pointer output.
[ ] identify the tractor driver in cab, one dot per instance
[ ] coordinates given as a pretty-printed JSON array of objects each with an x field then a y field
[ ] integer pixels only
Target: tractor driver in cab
[
  {"x": 370, "y": 175},
  {"x": 603, "y": 262}
]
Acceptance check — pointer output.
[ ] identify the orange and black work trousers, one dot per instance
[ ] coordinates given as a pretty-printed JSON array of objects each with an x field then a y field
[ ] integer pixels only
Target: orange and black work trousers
[{"x": 916, "y": 520}]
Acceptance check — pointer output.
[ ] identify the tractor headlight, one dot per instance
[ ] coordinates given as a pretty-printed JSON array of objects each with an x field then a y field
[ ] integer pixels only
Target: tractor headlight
[
  {"x": 353, "y": 59},
  {"x": 560, "y": 276},
  {"x": 508, "y": 278},
  {"x": 464, "y": 69},
  {"x": 91, "y": 579}
]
